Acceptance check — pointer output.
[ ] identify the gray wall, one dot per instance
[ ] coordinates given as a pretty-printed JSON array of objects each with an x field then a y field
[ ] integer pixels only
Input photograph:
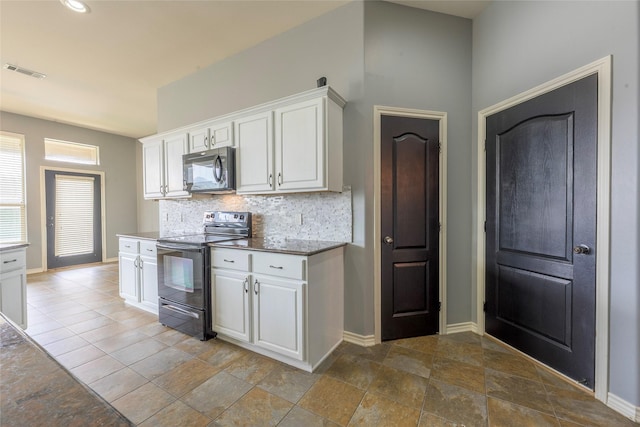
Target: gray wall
[
  {"x": 358, "y": 48},
  {"x": 118, "y": 162},
  {"x": 419, "y": 59},
  {"x": 519, "y": 45}
]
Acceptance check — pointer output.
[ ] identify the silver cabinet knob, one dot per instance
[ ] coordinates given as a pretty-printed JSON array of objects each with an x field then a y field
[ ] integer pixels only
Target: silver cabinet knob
[{"x": 388, "y": 240}]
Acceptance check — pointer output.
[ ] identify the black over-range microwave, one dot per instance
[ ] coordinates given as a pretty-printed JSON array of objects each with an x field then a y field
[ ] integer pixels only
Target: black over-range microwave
[{"x": 211, "y": 171}]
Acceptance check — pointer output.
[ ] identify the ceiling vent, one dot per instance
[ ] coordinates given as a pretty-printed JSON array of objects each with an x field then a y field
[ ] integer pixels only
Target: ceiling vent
[{"x": 24, "y": 71}]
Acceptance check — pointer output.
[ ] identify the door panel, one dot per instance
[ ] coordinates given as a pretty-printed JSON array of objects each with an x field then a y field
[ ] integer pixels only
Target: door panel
[
  {"x": 541, "y": 204},
  {"x": 74, "y": 218},
  {"x": 410, "y": 226}
]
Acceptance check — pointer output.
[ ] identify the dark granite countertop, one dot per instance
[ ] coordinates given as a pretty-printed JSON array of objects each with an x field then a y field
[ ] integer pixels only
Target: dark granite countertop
[
  {"x": 283, "y": 246},
  {"x": 12, "y": 246},
  {"x": 146, "y": 235},
  {"x": 37, "y": 391}
]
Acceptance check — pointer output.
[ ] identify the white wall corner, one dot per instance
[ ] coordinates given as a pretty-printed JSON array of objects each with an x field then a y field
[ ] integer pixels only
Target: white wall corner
[
  {"x": 455, "y": 328},
  {"x": 623, "y": 407},
  {"x": 361, "y": 340}
]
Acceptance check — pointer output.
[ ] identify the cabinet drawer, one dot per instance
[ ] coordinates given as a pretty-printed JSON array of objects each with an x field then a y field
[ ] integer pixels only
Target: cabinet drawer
[
  {"x": 280, "y": 265},
  {"x": 12, "y": 260},
  {"x": 229, "y": 258},
  {"x": 129, "y": 245},
  {"x": 148, "y": 248}
]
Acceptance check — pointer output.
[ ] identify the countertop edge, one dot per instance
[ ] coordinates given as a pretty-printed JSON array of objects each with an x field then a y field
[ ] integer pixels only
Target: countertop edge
[
  {"x": 13, "y": 246},
  {"x": 146, "y": 235},
  {"x": 229, "y": 245}
]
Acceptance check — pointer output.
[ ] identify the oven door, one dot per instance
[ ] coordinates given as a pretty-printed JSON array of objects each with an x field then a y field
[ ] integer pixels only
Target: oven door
[{"x": 182, "y": 274}]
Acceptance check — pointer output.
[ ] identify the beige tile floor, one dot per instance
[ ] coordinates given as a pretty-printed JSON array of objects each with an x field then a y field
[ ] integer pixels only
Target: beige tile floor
[{"x": 156, "y": 376}]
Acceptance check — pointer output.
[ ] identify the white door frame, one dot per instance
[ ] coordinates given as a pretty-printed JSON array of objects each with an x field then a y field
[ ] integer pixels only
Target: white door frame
[
  {"x": 43, "y": 209},
  {"x": 378, "y": 112},
  {"x": 602, "y": 68}
]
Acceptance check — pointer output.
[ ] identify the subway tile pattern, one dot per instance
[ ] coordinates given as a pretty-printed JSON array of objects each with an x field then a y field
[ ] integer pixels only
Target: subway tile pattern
[
  {"x": 325, "y": 215},
  {"x": 159, "y": 377}
]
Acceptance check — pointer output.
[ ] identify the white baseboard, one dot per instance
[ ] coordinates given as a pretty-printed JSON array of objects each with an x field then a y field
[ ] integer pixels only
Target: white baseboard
[
  {"x": 107, "y": 260},
  {"x": 454, "y": 328},
  {"x": 623, "y": 407},
  {"x": 34, "y": 270},
  {"x": 361, "y": 340}
]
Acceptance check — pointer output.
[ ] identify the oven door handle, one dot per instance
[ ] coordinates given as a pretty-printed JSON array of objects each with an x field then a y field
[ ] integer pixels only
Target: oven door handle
[
  {"x": 180, "y": 310},
  {"x": 176, "y": 247}
]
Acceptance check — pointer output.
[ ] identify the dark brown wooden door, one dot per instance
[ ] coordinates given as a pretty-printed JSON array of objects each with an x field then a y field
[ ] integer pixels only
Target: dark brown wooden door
[
  {"x": 410, "y": 226},
  {"x": 541, "y": 228}
]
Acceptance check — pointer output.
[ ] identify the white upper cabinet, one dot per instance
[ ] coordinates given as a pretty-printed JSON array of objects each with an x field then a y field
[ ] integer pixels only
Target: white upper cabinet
[
  {"x": 162, "y": 165},
  {"x": 293, "y": 144},
  {"x": 307, "y": 147},
  {"x": 254, "y": 153},
  {"x": 210, "y": 136},
  {"x": 300, "y": 146},
  {"x": 153, "y": 169}
]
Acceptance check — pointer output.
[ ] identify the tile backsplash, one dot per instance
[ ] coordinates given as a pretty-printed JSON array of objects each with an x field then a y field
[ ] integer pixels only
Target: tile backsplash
[{"x": 325, "y": 215}]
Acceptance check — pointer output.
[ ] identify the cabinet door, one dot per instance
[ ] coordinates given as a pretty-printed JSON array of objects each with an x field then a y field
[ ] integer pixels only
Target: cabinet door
[
  {"x": 254, "y": 154},
  {"x": 174, "y": 148},
  {"x": 13, "y": 296},
  {"x": 128, "y": 276},
  {"x": 230, "y": 304},
  {"x": 198, "y": 139},
  {"x": 278, "y": 314},
  {"x": 221, "y": 135},
  {"x": 153, "y": 166},
  {"x": 300, "y": 146},
  {"x": 149, "y": 281}
]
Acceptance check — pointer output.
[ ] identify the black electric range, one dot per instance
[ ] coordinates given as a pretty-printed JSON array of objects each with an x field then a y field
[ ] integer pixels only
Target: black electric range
[{"x": 184, "y": 272}]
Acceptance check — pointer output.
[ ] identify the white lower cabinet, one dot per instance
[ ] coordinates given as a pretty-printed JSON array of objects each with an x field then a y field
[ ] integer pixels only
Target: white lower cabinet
[
  {"x": 139, "y": 273},
  {"x": 287, "y": 307},
  {"x": 230, "y": 303},
  {"x": 278, "y": 315},
  {"x": 13, "y": 286}
]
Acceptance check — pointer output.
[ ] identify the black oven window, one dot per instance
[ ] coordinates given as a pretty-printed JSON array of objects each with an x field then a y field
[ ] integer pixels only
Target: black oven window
[{"x": 178, "y": 273}]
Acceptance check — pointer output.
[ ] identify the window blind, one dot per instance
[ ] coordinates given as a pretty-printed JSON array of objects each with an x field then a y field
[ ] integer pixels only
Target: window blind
[
  {"x": 74, "y": 215},
  {"x": 13, "y": 227}
]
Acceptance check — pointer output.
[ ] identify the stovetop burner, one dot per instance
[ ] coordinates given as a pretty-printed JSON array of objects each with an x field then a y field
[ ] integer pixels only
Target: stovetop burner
[{"x": 218, "y": 226}]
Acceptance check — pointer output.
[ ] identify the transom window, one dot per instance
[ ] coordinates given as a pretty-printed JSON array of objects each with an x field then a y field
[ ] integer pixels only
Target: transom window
[{"x": 71, "y": 152}]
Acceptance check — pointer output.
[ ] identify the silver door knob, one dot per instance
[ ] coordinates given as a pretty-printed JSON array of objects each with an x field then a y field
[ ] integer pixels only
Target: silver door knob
[
  {"x": 388, "y": 240},
  {"x": 581, "y": 250}
]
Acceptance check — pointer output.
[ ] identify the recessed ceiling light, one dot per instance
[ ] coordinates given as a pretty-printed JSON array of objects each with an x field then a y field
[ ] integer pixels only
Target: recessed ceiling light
[{"x": 76, "y": 6}]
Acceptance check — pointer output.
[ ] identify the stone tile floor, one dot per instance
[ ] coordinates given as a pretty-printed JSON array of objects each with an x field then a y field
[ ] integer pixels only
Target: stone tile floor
[{"x": 156, "y": 376}]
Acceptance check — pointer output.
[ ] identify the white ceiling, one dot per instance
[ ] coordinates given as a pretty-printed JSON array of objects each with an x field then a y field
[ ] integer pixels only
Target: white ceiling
[{"x": 104, "y": 68}]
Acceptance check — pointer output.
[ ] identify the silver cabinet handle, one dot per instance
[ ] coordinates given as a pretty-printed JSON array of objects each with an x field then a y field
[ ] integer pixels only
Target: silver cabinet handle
[
  {"x": 279, "y": 178},
  {"x": 245, "y": 284},
  {"x": 140, "y": 263},
  {"x": 277, "y": 268},
  {"x": 10, "y": 261},
  {"x": 135, "y": 263},
  {"x": 388, "y": 240},
  {"x": 270, "y": 179},
  {"x": 229, "y": 260},
  {"x": 256, "y": 284},
  {"x": 150, "y": 250}
]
